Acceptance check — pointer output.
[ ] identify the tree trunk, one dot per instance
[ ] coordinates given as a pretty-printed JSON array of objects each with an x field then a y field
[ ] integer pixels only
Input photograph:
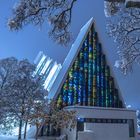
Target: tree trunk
[
  {"x": 25, "y": 129},
  {"x": 40, "y": 128},
  {"x": 21, "y": 121},
  {"x": 20, "y": 129},
  {"x": 36, "y": 137}
]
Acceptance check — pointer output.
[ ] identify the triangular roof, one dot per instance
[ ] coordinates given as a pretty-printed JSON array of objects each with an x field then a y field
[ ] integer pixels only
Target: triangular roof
[{"x": 69, "y": 61}]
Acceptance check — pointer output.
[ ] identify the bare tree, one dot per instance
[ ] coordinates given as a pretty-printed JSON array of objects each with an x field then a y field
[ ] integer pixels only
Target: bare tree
[
  {"x": 56, "y": 12},
  {"x": 128, "y": 3},
  {"x": 24, "y": 100},
  {"x": 51, "y": 114},
  {"x": 8, "y": 69},
  {"x": 18, "y": 90},
  {"x": 111, "y": 7},
  {"x": 123, "y": 25},
  {"x": 25, "y": 90}
]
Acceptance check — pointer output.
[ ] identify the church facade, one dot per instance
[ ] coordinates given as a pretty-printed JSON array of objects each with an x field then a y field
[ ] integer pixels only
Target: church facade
[{"x": 86, "y": 85}]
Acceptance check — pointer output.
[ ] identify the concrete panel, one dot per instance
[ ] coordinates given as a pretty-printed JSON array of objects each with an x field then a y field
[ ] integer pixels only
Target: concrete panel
[
  {"x": 86, "y": 135},
  {"x": 109, "y": 131}
]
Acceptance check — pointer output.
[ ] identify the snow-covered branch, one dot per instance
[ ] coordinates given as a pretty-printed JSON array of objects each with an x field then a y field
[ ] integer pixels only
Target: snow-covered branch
[
  {"x": 57, "y": 12},
  {"x": 123, "y": 26}
]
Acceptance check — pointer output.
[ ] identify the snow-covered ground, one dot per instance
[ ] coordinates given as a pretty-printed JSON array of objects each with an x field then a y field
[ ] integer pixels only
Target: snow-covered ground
[
  {"x": 15, "y": 138},
  {"x": 31, "y": 131},
  {"x": 7, "y": 138},
  {"x": 139, "y": 137}
]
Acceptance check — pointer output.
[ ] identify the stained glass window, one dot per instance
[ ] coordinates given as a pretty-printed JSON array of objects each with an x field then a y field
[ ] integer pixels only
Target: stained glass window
[{"x": 89, "y": 81}]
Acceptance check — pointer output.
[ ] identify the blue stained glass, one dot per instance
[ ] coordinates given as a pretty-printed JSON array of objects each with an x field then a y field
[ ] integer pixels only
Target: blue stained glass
[{"x": 89, "y": 81}]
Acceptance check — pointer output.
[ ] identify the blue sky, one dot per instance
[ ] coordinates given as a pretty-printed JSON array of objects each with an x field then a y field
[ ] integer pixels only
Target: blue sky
[{"x": 28, "y": 42}]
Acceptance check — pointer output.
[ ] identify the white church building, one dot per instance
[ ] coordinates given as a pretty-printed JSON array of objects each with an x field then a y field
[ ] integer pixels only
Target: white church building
[{"x": 85, "y": 83}]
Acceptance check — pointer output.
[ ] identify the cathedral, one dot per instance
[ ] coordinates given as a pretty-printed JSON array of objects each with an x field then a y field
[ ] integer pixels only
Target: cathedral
[{"x": 84, "y": 83}]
